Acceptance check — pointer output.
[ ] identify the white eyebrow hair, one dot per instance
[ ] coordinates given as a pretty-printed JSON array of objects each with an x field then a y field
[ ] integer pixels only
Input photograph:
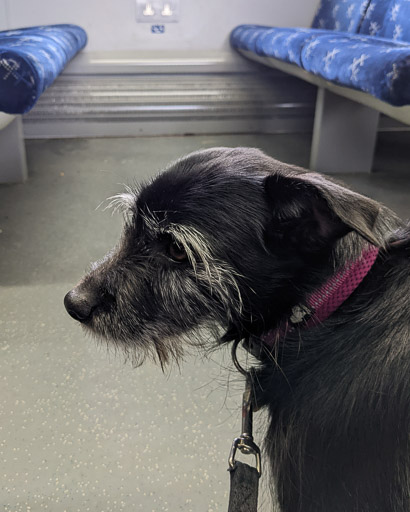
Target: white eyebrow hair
[
  {"x": 122, "y": 202},
  {"x": 151, "y": 220},
  {"x": 193, "y": 242},
  {"x": 220, "y": 277}
]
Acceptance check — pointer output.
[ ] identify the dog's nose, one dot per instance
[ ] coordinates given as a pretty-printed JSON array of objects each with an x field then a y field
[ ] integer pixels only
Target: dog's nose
[{"x": 80, "y": 305}]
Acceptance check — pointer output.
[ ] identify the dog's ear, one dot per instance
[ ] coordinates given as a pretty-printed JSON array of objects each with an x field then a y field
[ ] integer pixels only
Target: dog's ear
[{"x": 312, "y": 211}]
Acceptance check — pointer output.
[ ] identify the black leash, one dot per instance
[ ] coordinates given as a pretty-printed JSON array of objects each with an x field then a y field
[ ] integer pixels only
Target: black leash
[
  {"x": 243, "y": 495},
  {"x": 244, "y": 488}
]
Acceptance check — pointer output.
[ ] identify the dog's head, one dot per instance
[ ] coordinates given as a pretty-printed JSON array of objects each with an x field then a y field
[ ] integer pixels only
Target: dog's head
[{"x": 227, "y": 237}]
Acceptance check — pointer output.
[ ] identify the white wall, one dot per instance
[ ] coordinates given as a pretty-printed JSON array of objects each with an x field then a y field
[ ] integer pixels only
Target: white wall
[
  {"x": 111, "y": 26},
  {"x": 3, "y": 15}
]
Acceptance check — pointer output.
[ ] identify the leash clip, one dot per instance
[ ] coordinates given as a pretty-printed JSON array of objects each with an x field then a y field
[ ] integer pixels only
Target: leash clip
[{"x": 245, "y": 442}]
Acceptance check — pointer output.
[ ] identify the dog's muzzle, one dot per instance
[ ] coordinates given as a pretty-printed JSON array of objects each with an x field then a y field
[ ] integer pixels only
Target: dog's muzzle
[{"x": 81, "y": 304}]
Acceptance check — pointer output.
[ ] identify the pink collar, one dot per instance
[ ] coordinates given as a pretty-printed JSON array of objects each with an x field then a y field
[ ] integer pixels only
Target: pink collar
[{"x": 326, "y": 300}]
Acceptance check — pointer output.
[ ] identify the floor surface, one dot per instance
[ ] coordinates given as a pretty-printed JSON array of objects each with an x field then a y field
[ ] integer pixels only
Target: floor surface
[{"x": 80, "y": 430}]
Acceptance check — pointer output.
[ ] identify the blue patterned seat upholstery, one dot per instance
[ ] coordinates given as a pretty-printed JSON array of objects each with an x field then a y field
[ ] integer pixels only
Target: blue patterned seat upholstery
[
  {"x": 30, "y": 61},
  {"x": 244, "y": 37},
  {"x": 341, "y": 15},
  {"x": 388, "y": 18},
  {"x": 342, "y": 46},
  {"x": 286, "y": 43},
  {"x": 380, "y": 67},
  {"x": 281, "y": 43}
]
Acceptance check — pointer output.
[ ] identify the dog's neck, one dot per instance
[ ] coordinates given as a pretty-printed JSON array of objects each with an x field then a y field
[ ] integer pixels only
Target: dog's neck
[{"x": 322, "y": 302}]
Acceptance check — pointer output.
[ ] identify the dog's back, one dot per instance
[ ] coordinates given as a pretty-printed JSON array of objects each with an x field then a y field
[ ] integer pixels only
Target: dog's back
[{"x": 339, "y": 400}]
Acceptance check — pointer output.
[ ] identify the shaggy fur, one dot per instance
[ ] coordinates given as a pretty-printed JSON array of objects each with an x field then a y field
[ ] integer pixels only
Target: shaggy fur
[{"x": 235, "y": 239}]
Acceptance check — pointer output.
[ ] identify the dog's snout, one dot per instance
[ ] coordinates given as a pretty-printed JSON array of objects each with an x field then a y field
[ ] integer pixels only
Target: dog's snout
[{"x": 80, "y": 305}]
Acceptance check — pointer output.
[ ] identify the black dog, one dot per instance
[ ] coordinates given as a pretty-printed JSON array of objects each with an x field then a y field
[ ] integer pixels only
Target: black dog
[{"x": 310, "y": 276}]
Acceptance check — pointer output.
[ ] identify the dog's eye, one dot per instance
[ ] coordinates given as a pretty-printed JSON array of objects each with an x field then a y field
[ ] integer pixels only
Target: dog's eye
[{"x": 176, "y": 252}]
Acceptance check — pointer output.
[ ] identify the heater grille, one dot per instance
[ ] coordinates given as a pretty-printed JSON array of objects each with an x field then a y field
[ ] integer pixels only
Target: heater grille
[{"x": 85, "y": 105}]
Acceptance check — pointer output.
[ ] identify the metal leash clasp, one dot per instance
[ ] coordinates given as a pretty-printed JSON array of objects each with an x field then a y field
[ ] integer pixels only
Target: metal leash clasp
[{"x": 245, "y": 442}]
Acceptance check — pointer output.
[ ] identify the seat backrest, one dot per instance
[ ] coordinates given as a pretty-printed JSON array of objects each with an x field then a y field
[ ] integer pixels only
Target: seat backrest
[
  {"x": 388, "y": 18},
  {"x": 343, "y": 15}
]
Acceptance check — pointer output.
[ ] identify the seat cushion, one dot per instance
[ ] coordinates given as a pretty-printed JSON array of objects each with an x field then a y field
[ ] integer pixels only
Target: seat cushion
[
  {"x": 388, "y": 18},
  {"x": 244, "y": 37},
  {"x": 285, "y": 43},
  {"x": 341, "y": 15},
  {"x": 278, "y": 42},
  {"x": 377, "y": 66},
  {"x": 30, "y": 61}
]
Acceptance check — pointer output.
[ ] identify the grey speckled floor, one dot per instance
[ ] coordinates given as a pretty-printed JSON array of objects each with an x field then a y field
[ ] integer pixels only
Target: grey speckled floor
[{"x": 81, "y": 430}]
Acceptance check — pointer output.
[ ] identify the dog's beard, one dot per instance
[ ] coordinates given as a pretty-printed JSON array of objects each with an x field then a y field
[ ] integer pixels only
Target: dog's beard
[
  {"x": 160, "y": 311},
  {"x": 161, "y": 342}
]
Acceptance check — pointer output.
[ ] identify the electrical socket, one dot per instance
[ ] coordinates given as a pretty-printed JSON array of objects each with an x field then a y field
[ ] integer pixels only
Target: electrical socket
[{"x": 157, "y": 11}]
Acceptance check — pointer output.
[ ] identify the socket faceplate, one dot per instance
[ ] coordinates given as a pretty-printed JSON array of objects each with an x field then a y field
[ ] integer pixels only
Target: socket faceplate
[{"x": 157, "y": 11}]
